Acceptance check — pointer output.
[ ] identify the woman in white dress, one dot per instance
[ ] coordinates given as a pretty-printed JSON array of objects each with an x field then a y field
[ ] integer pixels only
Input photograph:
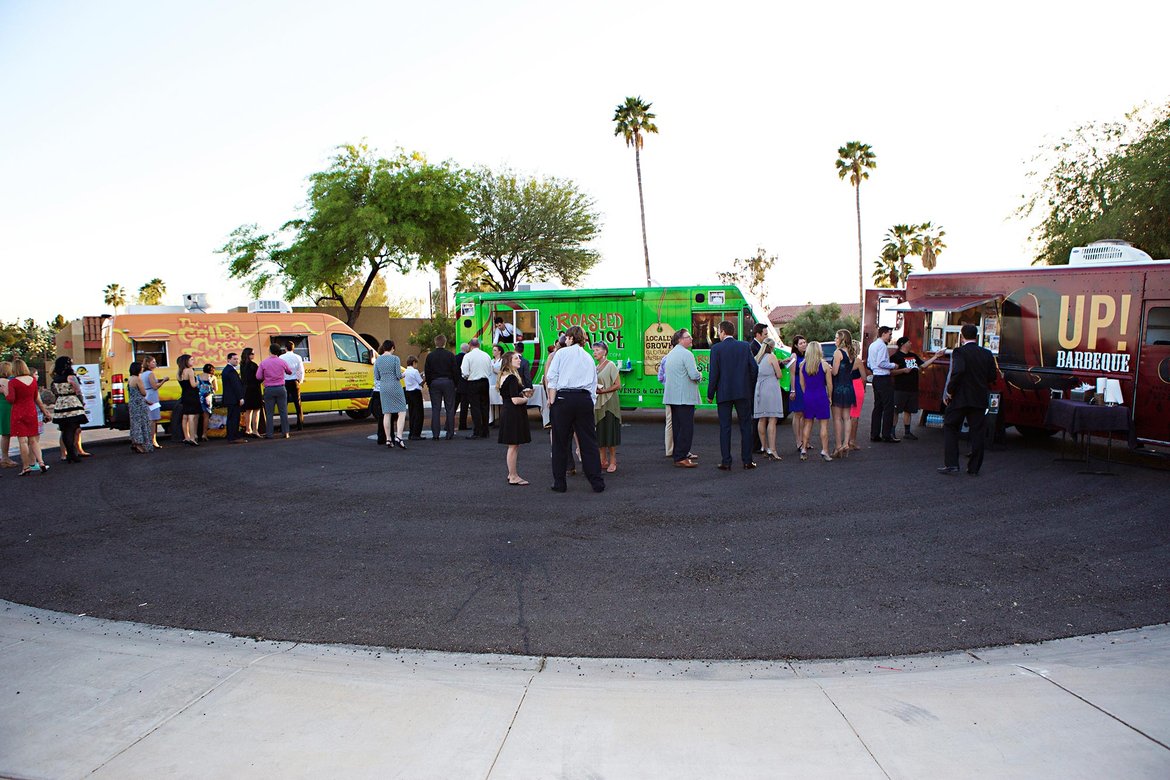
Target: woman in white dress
[
  {"x": 494, "y": 398},
  {"x": 768, "y": 408}
]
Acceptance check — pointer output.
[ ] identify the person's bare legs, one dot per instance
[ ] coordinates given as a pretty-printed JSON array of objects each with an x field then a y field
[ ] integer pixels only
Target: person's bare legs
[
  {"x": 853, "y": 421},
  {"x": 78, "y": 449},
  {"x": 840, "y": 429},
  {"x": 34, "y": 445},
  {"x": 5, "y": 445},
  {"x": 772, "y": 437},
  {"x": 805, "y": 435},
  {"x": 825, "y": 439},
  {"x": 798, "y": 429},
  {"x": 513, "y": 471}
]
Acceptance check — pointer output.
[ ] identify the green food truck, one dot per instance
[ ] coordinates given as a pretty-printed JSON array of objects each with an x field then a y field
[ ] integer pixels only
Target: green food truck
[{"x": 636, "y": 323}]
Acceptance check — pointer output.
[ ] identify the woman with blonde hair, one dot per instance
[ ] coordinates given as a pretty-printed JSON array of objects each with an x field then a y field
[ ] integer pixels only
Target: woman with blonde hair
[
  {"x": 845, "y": 359},
  {"x": 514, "y": 429},
  {"x": 768, "y": 402},
  {"x": 816, "y": 384},
  {"x": 25, "y": 397}
]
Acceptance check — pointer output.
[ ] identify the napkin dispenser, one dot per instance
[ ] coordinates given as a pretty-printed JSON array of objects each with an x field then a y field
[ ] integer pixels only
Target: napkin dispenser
[{"x": 1083, "y": 393}]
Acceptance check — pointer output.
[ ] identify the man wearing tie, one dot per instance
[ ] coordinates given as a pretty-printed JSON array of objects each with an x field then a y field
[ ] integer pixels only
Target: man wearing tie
[
  {"x": 733, "y": 383},
  {"x": 233, "y": 397},
  {"x": 973, "y": 369}
]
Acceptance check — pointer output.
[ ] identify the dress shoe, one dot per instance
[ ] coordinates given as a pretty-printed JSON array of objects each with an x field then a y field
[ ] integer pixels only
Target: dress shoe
[
  {"x": 559, "y": 488},
  {"x": 749, "y": 465},
  {"x": 875, "y": 439},
  {"x": 472, "y": 436},
  {"x": 948, "y": 470},
  {"x": 599, "y": 488},
  {"x": 972, "y": 473},
  {"x": 910, "y": 436},
  {"x": 724, "y": 467},
  {"x": 891, "y": 440},
  {"x": 685, "y": 464}
]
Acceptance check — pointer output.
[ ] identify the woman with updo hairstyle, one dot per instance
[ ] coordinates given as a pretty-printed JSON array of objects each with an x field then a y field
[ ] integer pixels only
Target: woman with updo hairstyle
[{"x": 141, "y": 428}]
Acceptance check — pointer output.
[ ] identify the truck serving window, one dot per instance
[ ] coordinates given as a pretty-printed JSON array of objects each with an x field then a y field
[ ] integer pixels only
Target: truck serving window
[
  {"x": 350, "y": 349},
  {"x": 705, "y": 326},
  {"x": 300, "y": 344},
  {"x": 1158, "y": 326},
  {"x": 154, "y": 349}
]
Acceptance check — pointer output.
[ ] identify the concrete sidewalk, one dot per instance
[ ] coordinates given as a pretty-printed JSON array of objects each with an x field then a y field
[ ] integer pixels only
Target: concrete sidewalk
[{"x": 84, "y": 696}]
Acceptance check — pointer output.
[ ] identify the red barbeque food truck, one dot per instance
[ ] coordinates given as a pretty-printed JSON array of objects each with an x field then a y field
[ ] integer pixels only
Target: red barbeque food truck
[{"x": 1056, "y": 330}]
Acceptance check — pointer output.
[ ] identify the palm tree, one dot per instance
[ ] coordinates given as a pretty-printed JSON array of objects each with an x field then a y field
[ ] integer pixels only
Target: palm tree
[
  {"x": 473, "y": 276},
  {"x": 901, "y": 241},
  {"x": 886, "y": 271},
  {"x": 855, "y": 160},
  {"x": 930, "y": 238},
  {"x": 115, "y": 296},
  {"x": 151, "y": 293},
  {"x": 632, "y": 118}
]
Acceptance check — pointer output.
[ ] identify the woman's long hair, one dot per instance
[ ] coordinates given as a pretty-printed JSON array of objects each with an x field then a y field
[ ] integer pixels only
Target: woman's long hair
[
  {"x": 765, "y": 350},
  {"x": 813, "y": 357},
  {"x": 62, "y": 368},
  {"x": 506, "y": 368},
  {"x": 845, "y": 341},
  {"x": 183, "y": 363}
]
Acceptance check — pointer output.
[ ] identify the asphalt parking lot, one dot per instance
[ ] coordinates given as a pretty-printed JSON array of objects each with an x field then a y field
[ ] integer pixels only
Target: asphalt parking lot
[{"x": 328, "y": 538}]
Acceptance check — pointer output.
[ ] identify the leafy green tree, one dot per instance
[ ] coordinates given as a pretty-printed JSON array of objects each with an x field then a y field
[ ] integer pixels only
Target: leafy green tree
[
  {"x": 1105, "y": 180},
  {"x": 115, "y": 295},
  {"x": 424, "y": 337},
  {"x": 474, "y": 276},
  {"x": 931, "y": 240},
  {"x": 632, "y": 119},
  {"x": 151, "y": 293},
  {"x": 749, "y": 274},
  {"x": 820, "y": 323},
  {"x": 532, "y": 229},
  {"x": 366, "y": 214},
  {"x": 856, "y": 160},
  {"x": 27, "y": 340}
]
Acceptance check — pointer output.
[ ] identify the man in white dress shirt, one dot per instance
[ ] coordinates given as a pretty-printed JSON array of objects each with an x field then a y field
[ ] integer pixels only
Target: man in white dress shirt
[
  {"x": 292, "y": 385},
  {"x": 477, "y": 370},
  {"x": 881, "y": 422},
  {"x": 572, "y": 389}
]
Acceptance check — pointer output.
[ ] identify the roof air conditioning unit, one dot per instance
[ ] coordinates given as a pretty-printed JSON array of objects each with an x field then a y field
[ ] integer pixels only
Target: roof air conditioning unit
[
  {"x": 269, "y": 307},
  {"x": 1107, "y": 251},
  {"x": 196, "y": 302}
]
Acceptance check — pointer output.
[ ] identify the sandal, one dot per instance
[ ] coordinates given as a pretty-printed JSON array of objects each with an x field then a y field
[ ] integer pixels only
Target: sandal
[
  {"x": 24, "y": 472},
  {"x": 611, "y": 468},
  {"x": 518, "y": 483},
  {"x": 803, "y": 455},
  {"x": 774, "y": 456},
  {"x": 826, "y": 457}
]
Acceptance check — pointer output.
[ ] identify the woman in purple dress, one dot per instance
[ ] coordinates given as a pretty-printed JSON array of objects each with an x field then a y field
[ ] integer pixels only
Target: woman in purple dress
[{"x": 816, "y": 383}]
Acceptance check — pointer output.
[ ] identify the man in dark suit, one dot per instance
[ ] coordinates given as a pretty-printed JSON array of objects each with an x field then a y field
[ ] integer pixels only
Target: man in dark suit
[
  {"x": 973, "y": 369},
  {"x": 233, "y": 397},
  {"x": 733, "y": 384}
]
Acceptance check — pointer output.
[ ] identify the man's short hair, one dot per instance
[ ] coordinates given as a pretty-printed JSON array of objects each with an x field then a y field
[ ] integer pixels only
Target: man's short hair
[
  {"x": 231, "y": 355},
  {"x": 474, "y": 343},
  {"x": 969, "y": 332},
  {"x": 290, "y": 345},
  {"x": 440, "y": 341},
  {"x": 902, "y": 341},
  {"x": 499, "y": 320},
  {"x": 518, "y": 347},
  {"x": 727, "y": 327},
  {"x": 884, "y": 329},
  {"x": 760, "y": 328}
]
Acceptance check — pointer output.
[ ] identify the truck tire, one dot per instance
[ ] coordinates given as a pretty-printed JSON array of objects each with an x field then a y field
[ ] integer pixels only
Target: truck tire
[
  {"x": 357, "y": 414},
  {"x": 1034, "y": 433}
]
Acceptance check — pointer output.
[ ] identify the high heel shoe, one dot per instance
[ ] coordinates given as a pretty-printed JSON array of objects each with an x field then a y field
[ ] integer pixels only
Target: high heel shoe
[
  {"x": 400, "y": 443},
  {"x": 826, "y": 457},
  {"x": 803, "y": 454},
  {"x": 774, "y": 456}
]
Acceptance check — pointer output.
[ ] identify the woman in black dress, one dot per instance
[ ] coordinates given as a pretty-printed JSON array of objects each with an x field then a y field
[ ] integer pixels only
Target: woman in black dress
[
  {"x": 253, "y": 393},
  {"x": 514, "y": 420},
  {"x": 189, "y": 400}
]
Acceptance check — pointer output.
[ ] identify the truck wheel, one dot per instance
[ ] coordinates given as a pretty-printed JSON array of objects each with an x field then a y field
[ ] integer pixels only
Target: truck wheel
[
  {"x": 357, "y": 414},
  {"x": 1034, "y": 433}
]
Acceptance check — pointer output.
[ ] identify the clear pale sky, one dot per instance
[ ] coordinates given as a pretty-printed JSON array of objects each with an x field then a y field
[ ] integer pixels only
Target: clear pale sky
[{"x": 137, "y": 135}]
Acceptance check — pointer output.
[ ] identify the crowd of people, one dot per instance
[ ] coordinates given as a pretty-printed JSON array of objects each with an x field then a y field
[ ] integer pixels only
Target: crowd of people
[{"x": 581, "y": 406}]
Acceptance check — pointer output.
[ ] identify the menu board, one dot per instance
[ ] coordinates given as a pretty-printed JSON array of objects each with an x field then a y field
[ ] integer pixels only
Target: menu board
[{"x": 89, "y": 375}]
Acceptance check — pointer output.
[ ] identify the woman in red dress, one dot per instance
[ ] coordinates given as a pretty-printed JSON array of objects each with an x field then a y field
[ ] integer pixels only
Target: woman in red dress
[{"x": 25, "y": 398}]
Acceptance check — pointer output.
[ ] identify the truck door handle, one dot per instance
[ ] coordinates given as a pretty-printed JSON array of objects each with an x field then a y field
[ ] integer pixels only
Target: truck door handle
[{"x": 339, "y": 369}]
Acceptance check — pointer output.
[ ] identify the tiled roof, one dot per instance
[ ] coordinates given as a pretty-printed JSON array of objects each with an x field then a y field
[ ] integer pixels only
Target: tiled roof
[{"x": 782, "y": 315}]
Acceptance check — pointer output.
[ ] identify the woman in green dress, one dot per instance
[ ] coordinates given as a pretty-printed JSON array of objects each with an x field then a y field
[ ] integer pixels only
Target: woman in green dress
[{"x": 607, "y": 410}]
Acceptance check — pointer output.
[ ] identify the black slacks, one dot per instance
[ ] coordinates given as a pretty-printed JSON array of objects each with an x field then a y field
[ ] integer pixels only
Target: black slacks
[
  {"x": 232, "y": 431},
  {"x": 881, "y": 421},
  {"x": 743, "y": 410},
  {"x": 414, "y": 406},
  {"x": 573, "y": 414},
  {"x": 682, "y": 427},
  {"x": 477, "y": 395},
  {"x": 976, "y": 417},
  {"x": 442, "y": 398},
  {"x": 379, "y": 419},
  {"x": 293, "y": 389}
]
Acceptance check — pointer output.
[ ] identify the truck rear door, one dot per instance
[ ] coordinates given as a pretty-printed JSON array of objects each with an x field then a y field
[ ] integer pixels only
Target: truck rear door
[{"x": 1151, "y": 412}]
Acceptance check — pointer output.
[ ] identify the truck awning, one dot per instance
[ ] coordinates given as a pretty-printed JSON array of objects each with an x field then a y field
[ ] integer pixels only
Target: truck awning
[{"x": 944, "y": 303}]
